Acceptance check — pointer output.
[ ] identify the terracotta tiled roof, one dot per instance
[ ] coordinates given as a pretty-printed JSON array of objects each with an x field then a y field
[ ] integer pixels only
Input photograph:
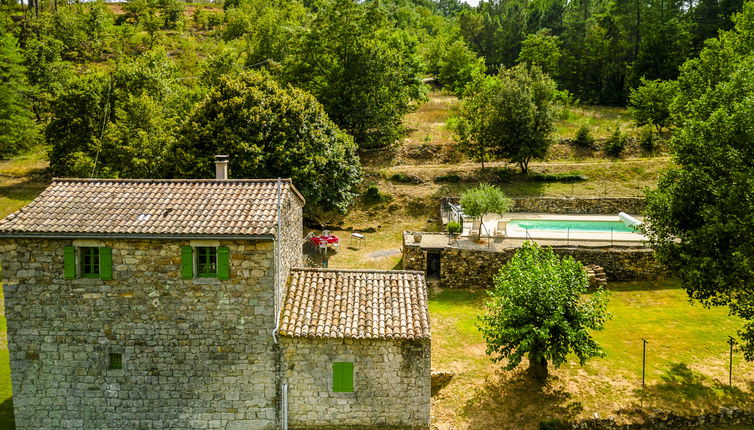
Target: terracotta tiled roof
[
  {"x": 152, "y": 207},
  {"x": 362, "y": 304}
]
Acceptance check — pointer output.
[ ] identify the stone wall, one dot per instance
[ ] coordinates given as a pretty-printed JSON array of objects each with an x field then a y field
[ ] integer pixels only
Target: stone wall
[
  {"x": 575, "y": 205},
  {"x": 291, "y": 239},
  {"x": 391, "y": 384},
  {"x": 196, "y": 353},
  {"x": 474, "y": 268}
]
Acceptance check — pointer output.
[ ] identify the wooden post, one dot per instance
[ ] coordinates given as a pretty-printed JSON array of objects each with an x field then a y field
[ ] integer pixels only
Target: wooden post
[{"x": 643, "y": 362}]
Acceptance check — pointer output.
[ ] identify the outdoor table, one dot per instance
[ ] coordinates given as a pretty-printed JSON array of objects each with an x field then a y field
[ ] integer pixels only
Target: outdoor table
[{"x": 330, "y": 240}]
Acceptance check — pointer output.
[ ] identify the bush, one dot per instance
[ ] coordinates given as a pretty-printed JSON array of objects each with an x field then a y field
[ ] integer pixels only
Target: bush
[
  {"x": 373, "y": 195},
  {"x": 615, "y": 144},
  {"x": 552, "y": 424},
  {"x": 447, "y": 179},
  {"x": 403, "y": 178},
  {"x": 583, "y": 137},
  {"x": 647, "y": 140},
  {"x": 453, "y": 227},
  {"x": 557, "y": 177}
]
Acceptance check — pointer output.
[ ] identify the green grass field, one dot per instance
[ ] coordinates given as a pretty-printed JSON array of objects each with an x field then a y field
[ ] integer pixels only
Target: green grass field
[{"x": 686, "y": 364}]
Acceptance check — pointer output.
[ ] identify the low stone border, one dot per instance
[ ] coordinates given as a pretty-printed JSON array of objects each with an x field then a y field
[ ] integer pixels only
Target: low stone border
[{"x": 669, "y": 420}]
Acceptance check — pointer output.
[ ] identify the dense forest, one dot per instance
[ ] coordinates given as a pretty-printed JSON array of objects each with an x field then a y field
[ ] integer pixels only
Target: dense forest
[{"x": 297, "y": 88}]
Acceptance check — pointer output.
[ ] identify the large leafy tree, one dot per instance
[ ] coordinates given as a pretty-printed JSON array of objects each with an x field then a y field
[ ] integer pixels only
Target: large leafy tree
[
  {"x": 116, "y": 124},
  {"x": 541, "y": 49},
  {"x": 270, "y": 131},
  {"x": 365, "y": 73},
  {"x": 649, "y": 104},
  {"x": 538, "y": 309},
  {"x": 458, "y": 66},
  {"x": 699, "y": 219},
  {"x": 17, "y": 130},
  {"x": 510, "y": 115}
]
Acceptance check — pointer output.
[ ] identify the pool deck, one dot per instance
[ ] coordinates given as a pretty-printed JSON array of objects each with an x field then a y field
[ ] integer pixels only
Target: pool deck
[{"x": 514, "y": 232}]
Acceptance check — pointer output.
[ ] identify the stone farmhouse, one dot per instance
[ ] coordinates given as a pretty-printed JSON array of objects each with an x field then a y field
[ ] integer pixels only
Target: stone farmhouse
[{"x": 150, "y": 304}]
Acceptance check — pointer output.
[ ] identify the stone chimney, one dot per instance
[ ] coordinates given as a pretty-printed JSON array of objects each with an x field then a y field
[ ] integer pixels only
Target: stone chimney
[{"x": 221, "y": 167}]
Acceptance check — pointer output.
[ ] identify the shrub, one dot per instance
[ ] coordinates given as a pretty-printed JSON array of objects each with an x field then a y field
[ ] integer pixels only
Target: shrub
[
  {"x": 583, "y": 137},
  {"x": 448, "y": 179},
  {"x": 403, "y": 178},
  {"x": 615, "y": 144},
  {"x": 453, "y": 227},
  {"x": 552, "y": 424},
  {"x": 373, "y": 195},
  {"x": 557, "y": 177},
  {"x": 647, "y": 140}
]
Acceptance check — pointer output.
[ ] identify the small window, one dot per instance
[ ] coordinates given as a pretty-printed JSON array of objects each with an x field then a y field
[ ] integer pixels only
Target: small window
[
  {"x": 206, "y": 261},
  {"x": 89, "y": 262},
  {"x": 115, "y": 361},
  {"x": 342, "y": 377}
]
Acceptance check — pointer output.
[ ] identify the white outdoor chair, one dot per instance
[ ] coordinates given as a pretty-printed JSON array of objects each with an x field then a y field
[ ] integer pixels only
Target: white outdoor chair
[
  {"x": 325, "y": 232},
  {"x": 322, "y": 247},
  {"x": 501, "y": 228},
  {"x": 475, "y": 226}
]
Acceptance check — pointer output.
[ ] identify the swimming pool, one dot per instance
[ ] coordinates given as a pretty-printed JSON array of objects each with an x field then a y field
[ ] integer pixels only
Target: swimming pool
[{"x": 572, "y": 225}]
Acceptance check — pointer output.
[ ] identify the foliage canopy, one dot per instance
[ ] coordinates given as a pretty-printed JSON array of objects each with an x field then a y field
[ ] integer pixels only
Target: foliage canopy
[
  {"x": 699, "y": 219},
  {"x": 538, "y": 309},
  {"x": 271, "y": 131},
  {"x": 509, "y": 116}
]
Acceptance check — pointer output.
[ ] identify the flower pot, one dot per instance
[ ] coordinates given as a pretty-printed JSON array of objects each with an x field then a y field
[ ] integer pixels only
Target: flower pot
[{"x": 417, "y": 237}]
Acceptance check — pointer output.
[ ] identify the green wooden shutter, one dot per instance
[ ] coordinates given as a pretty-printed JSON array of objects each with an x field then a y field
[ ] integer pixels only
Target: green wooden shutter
[
  {"x": 69, "y": 257},
  {"x": 187, "y": 262},
  {"x": 105, "y": 263},
  {"x": 342, "y": 377},
  {"x": 223, "y": 262}
]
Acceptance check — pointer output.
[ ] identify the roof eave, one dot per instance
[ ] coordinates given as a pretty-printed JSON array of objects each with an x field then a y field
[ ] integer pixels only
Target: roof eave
[{"x": 40, "y": 235}]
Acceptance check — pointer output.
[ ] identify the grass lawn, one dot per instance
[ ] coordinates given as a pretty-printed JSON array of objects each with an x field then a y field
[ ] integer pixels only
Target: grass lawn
[
  {"x": 686, "y": 364},
  {"x": 22, "y": 179}
]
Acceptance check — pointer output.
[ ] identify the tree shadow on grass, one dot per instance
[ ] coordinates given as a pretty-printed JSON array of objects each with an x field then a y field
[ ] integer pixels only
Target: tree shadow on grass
[
  {"x": 26, "y": 189},
  {"x": 657, "y": 285},
  {"x": 7, "y": 420},
  {"x": 452, "y": 297},
  {"x": 688, "y": 392},
  {"x": 513, "y": 400}
]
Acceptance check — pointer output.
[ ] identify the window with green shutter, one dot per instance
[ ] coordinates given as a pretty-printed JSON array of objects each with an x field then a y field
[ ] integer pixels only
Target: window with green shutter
[
  {"x": 206, "y": 261},
  {"x": 89, "y": 258},
  {"x": 342, "y": 377}
]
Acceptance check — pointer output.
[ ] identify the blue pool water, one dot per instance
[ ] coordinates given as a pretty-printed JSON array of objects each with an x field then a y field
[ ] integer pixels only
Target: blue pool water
[{"x": 563, "y": 225}]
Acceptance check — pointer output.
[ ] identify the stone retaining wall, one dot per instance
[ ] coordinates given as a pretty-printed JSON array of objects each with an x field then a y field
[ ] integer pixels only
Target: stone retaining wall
[
  {"x": 391, "y": 383},
  {"x": 574, "y": 205},
  {"x": 472, "y": 268}
]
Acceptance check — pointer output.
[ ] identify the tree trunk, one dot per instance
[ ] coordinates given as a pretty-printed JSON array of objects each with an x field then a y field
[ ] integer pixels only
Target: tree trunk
[
  {"x": 481, "y": 223},
  {"x": 537, "y": 368}
]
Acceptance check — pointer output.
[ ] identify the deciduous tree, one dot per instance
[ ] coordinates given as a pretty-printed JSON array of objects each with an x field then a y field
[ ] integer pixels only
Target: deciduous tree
[
  {"x": 650, "y": 103},
  {"x": 699, "y": 218},
  {"x": 539, "y": 309},
  {"x": 510, "y": 115},
  {"x": 483, "y": 200},
  {"x": 270, "y": 131},
  {"x": 366, "y": 74}
]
